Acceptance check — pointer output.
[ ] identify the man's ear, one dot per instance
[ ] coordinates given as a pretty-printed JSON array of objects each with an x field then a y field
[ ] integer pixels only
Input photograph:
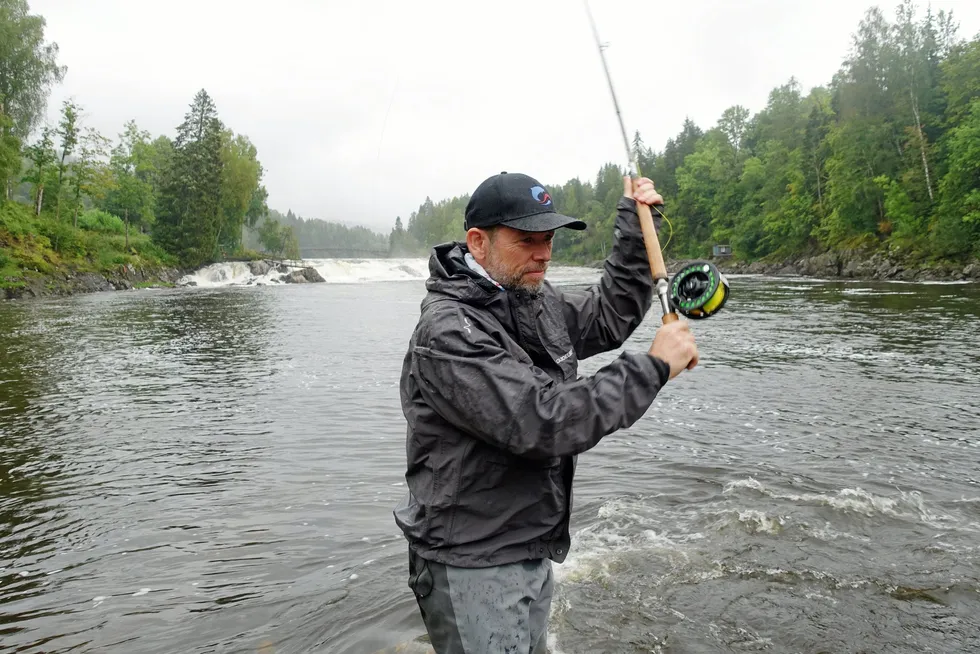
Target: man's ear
[{"x": 478, "y": 243}]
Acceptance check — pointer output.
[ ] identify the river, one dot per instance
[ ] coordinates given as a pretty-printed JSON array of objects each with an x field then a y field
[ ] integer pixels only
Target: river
[{"x": 213, "y": 469}]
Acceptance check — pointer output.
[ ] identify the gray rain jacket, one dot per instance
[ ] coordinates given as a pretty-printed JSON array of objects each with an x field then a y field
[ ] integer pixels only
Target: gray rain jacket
[{"x": 496, "y": 409}]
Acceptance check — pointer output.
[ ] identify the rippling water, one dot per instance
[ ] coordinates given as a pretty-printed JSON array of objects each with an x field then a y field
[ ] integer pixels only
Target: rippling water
[{"x": 213, "y": 470}]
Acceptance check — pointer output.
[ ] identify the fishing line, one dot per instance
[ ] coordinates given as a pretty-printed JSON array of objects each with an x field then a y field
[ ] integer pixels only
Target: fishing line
[
  {"x": 384, "y": 123},
  {"x": 699, "y": 289},
  {"x": 632, "y": 157}
]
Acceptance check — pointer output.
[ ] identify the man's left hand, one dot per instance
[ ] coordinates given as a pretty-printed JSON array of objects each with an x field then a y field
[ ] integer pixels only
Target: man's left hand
[{"x": 641, "y": 190}]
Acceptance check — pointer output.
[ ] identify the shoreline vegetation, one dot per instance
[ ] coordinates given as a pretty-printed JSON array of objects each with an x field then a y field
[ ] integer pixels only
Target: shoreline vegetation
[
  {"x": 875, "y": 175},
  {"x": 831, "y": 266}
]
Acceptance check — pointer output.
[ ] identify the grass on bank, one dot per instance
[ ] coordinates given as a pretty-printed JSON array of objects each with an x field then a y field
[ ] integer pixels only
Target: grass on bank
[{"x": 42, "y": 245}]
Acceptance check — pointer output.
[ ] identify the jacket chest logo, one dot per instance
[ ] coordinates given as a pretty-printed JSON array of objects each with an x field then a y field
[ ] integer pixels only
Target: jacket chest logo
[{"x": 565, "y": 356}]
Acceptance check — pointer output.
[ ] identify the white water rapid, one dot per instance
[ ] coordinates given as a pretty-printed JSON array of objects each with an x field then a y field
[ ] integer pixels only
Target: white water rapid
[{"x": 350, "y": 271}]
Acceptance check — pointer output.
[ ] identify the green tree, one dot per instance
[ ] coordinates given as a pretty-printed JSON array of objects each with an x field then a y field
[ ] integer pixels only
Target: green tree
[
  {"x": 70, "y": 131},
  {"x": 42, "y": 158},
  {"x": 10, "y": 155},
  {"x": 957, "y": 230},
  {"x": 279, "y": 240},
  {"x": 133, "y": 166},
  {"x": 240, "y": 176},
  {"x": 91, "y": 175},
  {"x": 734, "y": 124},
  {"x": 189, "y": 216},
  {"x": 28, "y": 68}
]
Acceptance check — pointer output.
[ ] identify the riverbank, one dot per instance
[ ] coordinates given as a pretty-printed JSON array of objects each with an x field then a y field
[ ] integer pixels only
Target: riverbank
[
  {"x": 859, "y": 265},
  {"x": 68, "y": 281},
  {"x": 849, "y": 264},
  {"x": 43, "y": 256},
  {"x": 64, "y": 280}
]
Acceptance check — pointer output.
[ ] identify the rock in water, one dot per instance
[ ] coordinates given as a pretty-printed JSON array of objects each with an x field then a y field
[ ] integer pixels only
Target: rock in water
[
  {"x": 312, "y": 274},
  {"x": 259, "y": 268},
  {"x": 303, "y": 275}
]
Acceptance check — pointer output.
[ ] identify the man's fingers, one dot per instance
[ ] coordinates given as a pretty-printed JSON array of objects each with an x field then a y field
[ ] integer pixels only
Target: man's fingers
[{"x": 642, "y": 190}]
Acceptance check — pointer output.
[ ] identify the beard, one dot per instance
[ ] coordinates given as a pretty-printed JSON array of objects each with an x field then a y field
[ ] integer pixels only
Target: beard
[{"x": 514, "y": 280}]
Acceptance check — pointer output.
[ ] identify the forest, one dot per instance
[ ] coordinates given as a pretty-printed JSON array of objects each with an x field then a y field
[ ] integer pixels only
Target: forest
[
  {"x": 321, "y": 238},
  {"x": 884, "y": 156},
  {"x": 73, "y": 199},
  {"x": 71, "y": 195}
]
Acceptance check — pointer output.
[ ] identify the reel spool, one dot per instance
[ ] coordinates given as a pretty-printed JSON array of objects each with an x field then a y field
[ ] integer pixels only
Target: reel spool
[{"x": 698, "y": 290}]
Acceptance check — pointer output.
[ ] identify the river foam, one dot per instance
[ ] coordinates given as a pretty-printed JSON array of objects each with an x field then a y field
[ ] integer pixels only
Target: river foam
[{"x": 351, "y": 271}]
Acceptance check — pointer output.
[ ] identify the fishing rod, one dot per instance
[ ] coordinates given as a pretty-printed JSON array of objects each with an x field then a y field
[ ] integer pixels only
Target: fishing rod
[{"x": 698, "y": 290}]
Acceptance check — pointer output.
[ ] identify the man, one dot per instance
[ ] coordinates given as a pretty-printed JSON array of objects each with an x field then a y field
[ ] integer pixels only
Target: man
[{"x": 497, "y": 412}]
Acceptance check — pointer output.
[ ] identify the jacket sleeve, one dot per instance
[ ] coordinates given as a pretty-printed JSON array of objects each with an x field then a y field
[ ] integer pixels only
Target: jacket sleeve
[
  {"x": 602, "y": 317},
  {"x": 479, "y": 387}
]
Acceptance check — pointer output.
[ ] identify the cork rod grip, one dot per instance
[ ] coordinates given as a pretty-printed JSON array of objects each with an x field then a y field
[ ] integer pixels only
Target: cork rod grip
[{"x": 658, "y": 269}]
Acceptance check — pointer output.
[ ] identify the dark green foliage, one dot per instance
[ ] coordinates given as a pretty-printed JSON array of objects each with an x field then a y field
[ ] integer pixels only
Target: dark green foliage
[
  {"x": 188, "y": 221},
  {"x": 886, "y": 154},
  {"x": 96, "y": 220}
]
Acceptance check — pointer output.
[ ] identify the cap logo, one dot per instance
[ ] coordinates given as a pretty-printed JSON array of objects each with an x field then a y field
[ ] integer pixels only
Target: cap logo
[{"x": 540, "y": 195}]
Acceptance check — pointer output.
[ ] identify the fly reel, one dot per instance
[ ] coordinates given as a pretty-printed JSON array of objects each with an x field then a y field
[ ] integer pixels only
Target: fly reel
[{"x": 698, "y": 290}]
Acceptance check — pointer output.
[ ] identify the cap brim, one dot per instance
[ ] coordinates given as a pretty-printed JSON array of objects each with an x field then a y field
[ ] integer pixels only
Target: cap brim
[{"x": 544, "y": 222}]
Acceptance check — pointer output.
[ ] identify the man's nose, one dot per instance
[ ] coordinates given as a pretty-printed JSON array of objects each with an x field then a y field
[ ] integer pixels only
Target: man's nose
[{"x": 542, "y": 253}]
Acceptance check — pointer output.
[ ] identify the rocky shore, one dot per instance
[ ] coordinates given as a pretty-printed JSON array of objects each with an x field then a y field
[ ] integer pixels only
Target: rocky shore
[
  {"x": 850, "y": 264},
  {"x": 69, "y": 282}
]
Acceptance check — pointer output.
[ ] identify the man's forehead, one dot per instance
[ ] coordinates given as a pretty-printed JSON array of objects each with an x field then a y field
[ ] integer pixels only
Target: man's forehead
[{"x": 520, "y": 233}]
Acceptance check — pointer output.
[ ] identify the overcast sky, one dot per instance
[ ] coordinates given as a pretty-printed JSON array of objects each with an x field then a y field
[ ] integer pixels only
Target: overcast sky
[{"x": 469, "y": 88}]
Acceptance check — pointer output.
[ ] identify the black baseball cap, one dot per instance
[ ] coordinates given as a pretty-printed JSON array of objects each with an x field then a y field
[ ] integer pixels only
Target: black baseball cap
[{"x": 517, "y": 201}]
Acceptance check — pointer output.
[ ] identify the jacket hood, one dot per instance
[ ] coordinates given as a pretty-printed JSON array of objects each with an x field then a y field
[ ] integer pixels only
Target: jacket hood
[{"x": 450, "y": 276}]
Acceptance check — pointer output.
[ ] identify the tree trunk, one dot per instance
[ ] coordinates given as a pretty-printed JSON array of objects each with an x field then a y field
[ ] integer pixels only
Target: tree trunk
[
  {"x": 8, "y": 185},
  {"x": 819, "y": 192},
  {"x": 78, "y": 203},
  {"x": 61, "y": 175},
  {"x": 922, "y": 143},
  {"x": 40, "y": 200}
]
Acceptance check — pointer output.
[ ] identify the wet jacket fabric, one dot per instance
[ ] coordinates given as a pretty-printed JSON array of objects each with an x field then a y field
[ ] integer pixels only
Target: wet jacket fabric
[{"x": 497, "y": 411}]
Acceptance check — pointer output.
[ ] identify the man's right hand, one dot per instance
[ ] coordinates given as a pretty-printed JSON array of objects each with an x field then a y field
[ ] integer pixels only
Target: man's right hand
[{"x": 674, "y": 344}]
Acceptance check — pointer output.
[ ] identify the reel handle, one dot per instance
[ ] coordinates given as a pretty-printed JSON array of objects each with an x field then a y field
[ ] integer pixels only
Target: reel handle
[{"x": 658, "y": 269}]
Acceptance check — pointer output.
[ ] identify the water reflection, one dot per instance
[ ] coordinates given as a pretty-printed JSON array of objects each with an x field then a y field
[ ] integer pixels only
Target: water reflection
[
  {"x": 110, "y": 405},
  {"x": 31, "y": 521}
]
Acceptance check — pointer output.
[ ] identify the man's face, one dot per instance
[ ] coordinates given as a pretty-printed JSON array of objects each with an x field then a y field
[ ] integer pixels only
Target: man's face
[{"x": 518, "y": 260}]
